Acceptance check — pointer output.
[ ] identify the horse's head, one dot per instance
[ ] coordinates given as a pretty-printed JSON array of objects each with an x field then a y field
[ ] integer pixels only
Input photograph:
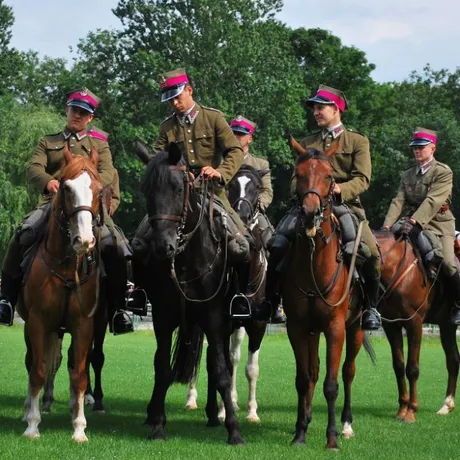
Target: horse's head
[
  {"x": 167, "y": 185},
  {"x": 244, "y": 190},
  {"x": 315, "y": 182},
  {"x": 78, "y": 199}
]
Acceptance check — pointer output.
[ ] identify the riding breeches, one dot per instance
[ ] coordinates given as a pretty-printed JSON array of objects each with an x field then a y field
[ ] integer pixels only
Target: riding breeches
[{"x": 449, "y": 267}]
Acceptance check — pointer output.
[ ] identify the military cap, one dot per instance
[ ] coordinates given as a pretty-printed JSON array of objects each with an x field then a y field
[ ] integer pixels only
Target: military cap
[
  {"x": 422, "y": 137},
  {"x": 242, "y": 125},
  {"x": 328, "y": 95},
  {"x": 172, "y": 84},
  {"x": 84, "y": 99}
]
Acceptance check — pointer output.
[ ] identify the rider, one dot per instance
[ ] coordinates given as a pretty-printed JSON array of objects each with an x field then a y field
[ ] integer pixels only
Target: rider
[
  {"x": 352, "y": 173},
  {"x": 207, "y": 143},
  {"x": 43, "y": 172},
  {"x": 423, "y": 201},
  {"x": 244, "y": 130}
]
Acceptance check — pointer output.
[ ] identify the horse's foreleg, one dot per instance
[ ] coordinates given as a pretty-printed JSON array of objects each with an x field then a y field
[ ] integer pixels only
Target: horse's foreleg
[
  {"x": 236, "y": 340},
  {"x": 334, "y": 340},
  {"x": 37, "y": 338},
  {"x": 97, "y": 362},
  {"x": 211, "y": 402},
  {"x": 252, "y": 375},
  {"x": 414, "y": 342},
  {"x": 156, "y": 414},
  {"x": 393, "y": 332},
  {"x": 218, "y": 369},
  {"x": 82, "y": 338},
  {"x": 300, "y": 343},
  {"x": 449, "y": 344},
  {"x": 354, "y": 340}
]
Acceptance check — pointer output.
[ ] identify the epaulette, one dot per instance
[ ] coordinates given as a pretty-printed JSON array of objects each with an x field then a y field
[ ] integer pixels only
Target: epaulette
[
  {"x": 443, "y": 164},
  {"x": 98, "y": 134},
  {"x": 355, "y": 131},
  {"x": 410, "y": 167},
  {"x": 53, "y": 135},
  {"x": 210, "y": 108},
  {"x": 168, "y": 118}
]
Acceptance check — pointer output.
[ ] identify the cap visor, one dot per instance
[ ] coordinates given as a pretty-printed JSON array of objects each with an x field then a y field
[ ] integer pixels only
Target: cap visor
[
  {"x": 419, "y": 143},
  {"x": 172, "y": 93},
  {"x": 82, "y": 104},
  {"x": 240, "y": 130},
  {"x": 318, "y": 100}
]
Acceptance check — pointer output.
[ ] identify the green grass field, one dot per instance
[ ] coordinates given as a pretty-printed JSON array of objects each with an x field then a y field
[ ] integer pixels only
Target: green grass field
[{"x": 128, "y": 378}]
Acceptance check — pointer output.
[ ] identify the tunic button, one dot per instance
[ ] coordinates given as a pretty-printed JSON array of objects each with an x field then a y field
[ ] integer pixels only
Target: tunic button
[
  {"x": 189, "y": 131},
  {"x": 190, "y": 141},
  {"x": 191, "y": 150},
  {"x": 192, "y": 161}
]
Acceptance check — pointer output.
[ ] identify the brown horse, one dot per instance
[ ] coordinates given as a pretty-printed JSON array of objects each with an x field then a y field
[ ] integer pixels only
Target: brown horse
[
  {"x": 410, "y": 300},
  {"x": 61, "y": 291},
  {"x": 317, "y": 296}
]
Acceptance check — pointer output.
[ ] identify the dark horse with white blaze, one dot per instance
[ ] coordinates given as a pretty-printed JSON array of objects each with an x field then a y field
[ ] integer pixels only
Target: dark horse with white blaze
[
  {"x": 318, "y": 296},
  {"x": 243, "y": 194},
  {"x": 186, "y": 282}
]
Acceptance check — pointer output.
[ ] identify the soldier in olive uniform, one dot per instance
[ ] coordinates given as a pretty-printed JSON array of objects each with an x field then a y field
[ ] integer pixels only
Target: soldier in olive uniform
[
  {"x": 423, "y": 200},
  {"x": 244, "y": 130},
  {"x": 44, "y": 172},
  {"x": 352, "y": 174}
]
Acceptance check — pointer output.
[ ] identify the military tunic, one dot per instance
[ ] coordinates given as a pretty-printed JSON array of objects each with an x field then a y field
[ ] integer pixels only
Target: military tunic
[
  {"x": 266, "y": 192},
  {"x": 48, "y": 157},
  {"x": 115, "y": 195},
  {"x": 352, "y": 170},
  {"x": 205, "y": 139},
  {"x": 426, "y": 198}
]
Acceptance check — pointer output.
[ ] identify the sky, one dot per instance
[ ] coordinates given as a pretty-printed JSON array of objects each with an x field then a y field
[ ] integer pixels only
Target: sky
[{"x": 398, "y": 36}]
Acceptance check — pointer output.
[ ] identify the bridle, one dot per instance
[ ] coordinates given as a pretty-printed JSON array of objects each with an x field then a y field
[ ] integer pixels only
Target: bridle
[{"x": 323, "y": 202}]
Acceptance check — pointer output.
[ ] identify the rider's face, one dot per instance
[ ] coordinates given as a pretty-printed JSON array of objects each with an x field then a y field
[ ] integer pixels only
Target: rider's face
[
  {"x": 244, "y": 140},
  {"x": 184, "y": 101},
  {"x": 424, "y": 153},
  {"x": 326, "y": 115},
  {"x": 77, "y": 118}
]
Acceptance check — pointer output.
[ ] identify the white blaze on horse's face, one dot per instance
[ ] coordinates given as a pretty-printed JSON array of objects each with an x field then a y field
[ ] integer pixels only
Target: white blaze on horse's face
[
  {"x": 81, "y": 223},
  {"x": 243, "y": 181}
]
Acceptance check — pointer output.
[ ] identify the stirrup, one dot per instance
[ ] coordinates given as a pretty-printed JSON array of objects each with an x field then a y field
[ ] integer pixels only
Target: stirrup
[
  {"x": 126, "y": 325},
  {"x": 241, "y": 304},
  {"x": 5, "y": 303}
]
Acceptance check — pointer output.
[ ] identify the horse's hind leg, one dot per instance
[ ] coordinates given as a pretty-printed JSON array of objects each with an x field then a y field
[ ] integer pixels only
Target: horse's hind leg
[
  {"x": 192, "y": 396},
  {"x": 53, "y": 363},
  {"x": 395, "y": 337},
  {"x": 449, "y": 344},
  {"x": 354, "y": 340},
  {"x": 97, "y": 363}
]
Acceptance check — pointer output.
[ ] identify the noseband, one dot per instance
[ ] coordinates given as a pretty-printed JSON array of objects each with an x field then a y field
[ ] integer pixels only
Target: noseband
[{"x": 323, "y": 202}]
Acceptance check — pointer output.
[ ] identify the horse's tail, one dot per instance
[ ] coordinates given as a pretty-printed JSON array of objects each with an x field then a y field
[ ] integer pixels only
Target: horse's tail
[
  {"x": 369, "y": 349},
  {"x": 186, "y": 355}
]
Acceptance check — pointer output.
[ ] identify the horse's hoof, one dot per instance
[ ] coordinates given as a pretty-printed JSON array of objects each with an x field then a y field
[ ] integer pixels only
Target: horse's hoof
[
  {"x": 98, "y": 407},
  {"x": 89, "y": 400},
  {"x": 191, "y": 406},
  {"x": 253, "y": 419},
  {"x": 347, "y": 431},
  {"x": 31, "y": 434},
  {"x": 332, "y": 445},
  {"x": 236, "y": 440},
  {"x": 80, "y": 439},
  {"x": 157, "y": 434},
  {"x": 46, "y": 410},
  {"x": 298, "y": 441}
]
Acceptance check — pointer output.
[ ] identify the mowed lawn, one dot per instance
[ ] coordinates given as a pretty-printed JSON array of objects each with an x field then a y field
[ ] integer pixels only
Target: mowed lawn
[{"x": 128, "y": 379}]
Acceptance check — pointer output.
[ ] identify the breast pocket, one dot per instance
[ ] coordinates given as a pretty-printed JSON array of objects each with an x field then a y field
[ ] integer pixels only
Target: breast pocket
[
  {"x": 55, "y": 153},
  {"x": 345, "y": 161},
  {"x": 417, "y": 189},
  {"x": 204, "y": 147}
]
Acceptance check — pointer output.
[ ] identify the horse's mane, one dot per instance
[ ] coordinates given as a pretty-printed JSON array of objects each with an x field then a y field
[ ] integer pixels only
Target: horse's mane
[
  {"x": 157, "y": 172},
  {"x": 314, "y": 154},
  {"x": 77, "y": 165}
]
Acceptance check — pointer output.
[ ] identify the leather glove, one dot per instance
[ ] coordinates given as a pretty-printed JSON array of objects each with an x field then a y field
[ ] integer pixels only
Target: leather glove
[{"x": 407, "y": 227}]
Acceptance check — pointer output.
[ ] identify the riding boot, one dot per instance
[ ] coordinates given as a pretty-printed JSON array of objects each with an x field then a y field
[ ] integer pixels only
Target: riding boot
[
  {"x": 370, "y": 319},
  {"x": 272, "y": 303},
  {"x": 10, "y": 286},
  {"x": 454, "y": 284},
  {"x": 115, "y": 283}
]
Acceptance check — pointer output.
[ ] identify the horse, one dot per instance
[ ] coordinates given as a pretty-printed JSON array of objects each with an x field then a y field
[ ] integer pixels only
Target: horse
[
  {"x": 60, "y": 293},
  {"x": 319, "y": 296},
  {"x": 243, "y": 193},
  {"x": 412, "y": 298},
  {"x": 187, "y": 287}
]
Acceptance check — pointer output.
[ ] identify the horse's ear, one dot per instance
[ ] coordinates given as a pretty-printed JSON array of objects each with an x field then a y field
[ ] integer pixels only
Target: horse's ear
[
  {"x": 263, "y": 172},
  {"x": 174, "y": 153},
  {"x": 94, "y": 156},
  {"x": 142, "y": 151},
  {"x": 333, "y": 148},
  {"x": 67, "y": 155},
  {"x": 296, "y": 146}
]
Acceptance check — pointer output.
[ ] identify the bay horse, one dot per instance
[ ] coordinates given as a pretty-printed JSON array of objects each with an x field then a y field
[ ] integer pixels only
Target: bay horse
[
  {"x": 60, "y": 293},
  {"x": 186, "y": 286},
  {"x": 318, "y": 296},
  {"x": 411, "y": 299},
  {"x": 243, "y": 194}
]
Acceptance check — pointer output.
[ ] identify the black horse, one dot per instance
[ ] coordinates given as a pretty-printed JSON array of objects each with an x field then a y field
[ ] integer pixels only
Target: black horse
[
  {"x": 185, "y": 280},
  {"x": 243, "y": 193}
]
